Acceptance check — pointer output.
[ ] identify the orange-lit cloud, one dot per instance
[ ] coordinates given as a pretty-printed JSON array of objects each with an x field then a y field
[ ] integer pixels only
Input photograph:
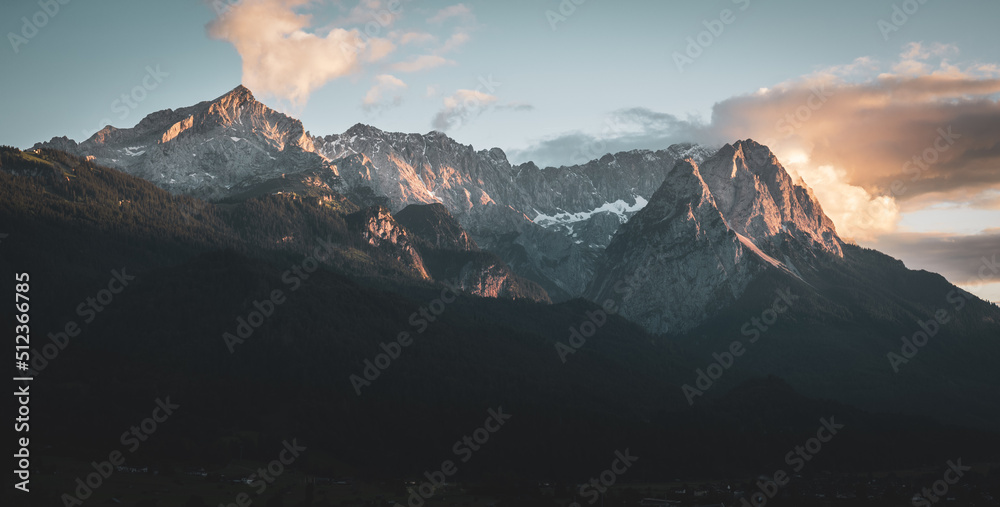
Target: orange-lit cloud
[
  {"x": 872, "y": 140},
  {"x": 928, "y": 126},
  {"x": 284, "y": 56}
]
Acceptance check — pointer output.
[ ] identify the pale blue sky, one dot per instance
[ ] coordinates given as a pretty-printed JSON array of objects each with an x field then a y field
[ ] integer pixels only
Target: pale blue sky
[{"x": 606, "y": 56}]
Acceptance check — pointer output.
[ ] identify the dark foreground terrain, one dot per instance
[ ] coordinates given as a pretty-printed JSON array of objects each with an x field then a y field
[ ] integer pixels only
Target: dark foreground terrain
[{"x": 273, "y": 321}]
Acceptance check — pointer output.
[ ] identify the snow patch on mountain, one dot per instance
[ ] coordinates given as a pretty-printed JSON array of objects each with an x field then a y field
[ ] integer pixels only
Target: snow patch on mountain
[{"x": 619, "y": 207}]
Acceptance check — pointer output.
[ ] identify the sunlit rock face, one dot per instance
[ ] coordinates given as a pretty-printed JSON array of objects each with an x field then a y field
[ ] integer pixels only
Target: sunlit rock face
[
  {"x": 437, "y": 248},
  {"x": 760, "y": 200},
  {"x": 706, "y": 234},
  {"x": 676, "y": 262},
  {"x": 379, "y": 229},
  {"x": 550, "y": 224},
  {"x": 213, "y": 149},
  {"x": 434, "y": 224}
]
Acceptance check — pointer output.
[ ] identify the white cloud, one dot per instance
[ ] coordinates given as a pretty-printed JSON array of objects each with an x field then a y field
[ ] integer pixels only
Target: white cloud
[
  {"x": 379, "y": 49},
  {"x": 367, "y": 11},
  {"x": 460, "y": 107},
  {"x": 455, "y": 11},
  {"x": 422, "y": 62},
  {"x": 914, "y": 60},
  {"x": 461, "y": 35},
  {"x": 858, "y": 215},
  {"x": 387, "y": 92},
  {"x": 454, "y": 42},
  {"x": 415, "y": 38}
]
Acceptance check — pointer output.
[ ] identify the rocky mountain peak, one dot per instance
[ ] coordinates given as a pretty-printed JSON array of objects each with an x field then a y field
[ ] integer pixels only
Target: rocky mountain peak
[
  {"x": 58, "y": 143},
  {"x": 683, "y": 260},
  {"x": 104, "y": 135},
  {"x": 709, "y": 231},
  {"x": 210, "y": 149},
  {"x": 240, "y": 94},
  {"x": 760, "y": 200},
  {"x": 498, "y": 155},
  {"x": 363, "y": 130}
]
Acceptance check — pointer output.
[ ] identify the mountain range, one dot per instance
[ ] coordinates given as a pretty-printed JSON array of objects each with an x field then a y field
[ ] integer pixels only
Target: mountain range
[{"x": 669, "y": 256}]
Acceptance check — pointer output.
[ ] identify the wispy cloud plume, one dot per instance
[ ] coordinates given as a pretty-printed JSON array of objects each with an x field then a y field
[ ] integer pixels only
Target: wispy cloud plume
[
  {"x": 386, "y": 93},
  {"x": 460, "y": 11},
  {"x": 461, "y": 106},
  {"x": 422, "y": 62},
  {"x": 286, "y": 56}
]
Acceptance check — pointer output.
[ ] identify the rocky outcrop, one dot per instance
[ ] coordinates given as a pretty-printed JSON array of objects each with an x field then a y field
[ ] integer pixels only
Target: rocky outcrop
[
  {"x": 433, "y": 224},
  {"x": 440, "y": 253},
  {"x": 490, "y": 277},
  {"x": 378, "y": 229}
]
